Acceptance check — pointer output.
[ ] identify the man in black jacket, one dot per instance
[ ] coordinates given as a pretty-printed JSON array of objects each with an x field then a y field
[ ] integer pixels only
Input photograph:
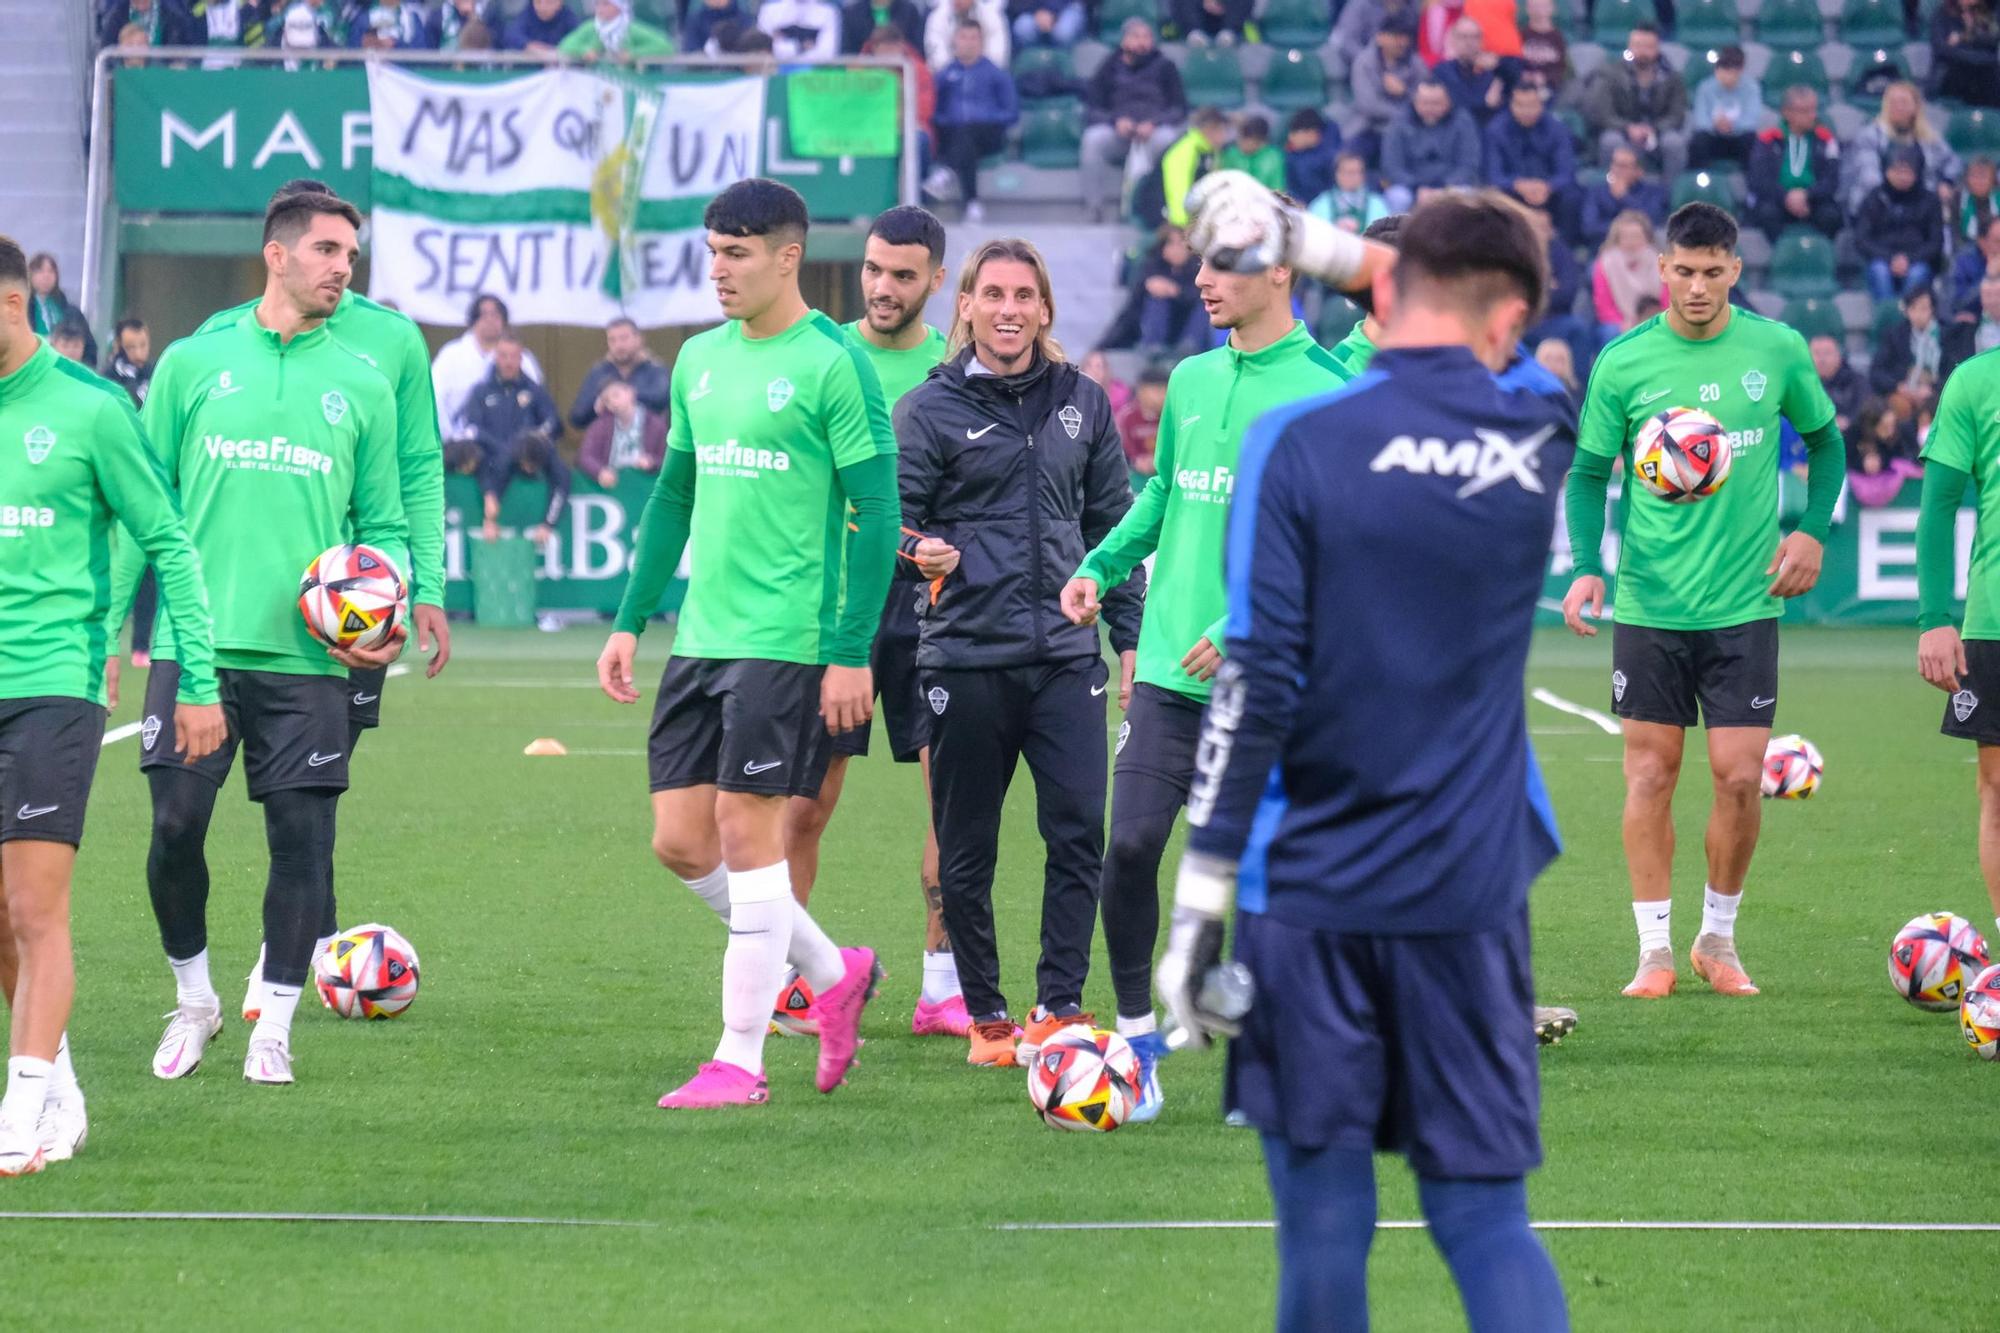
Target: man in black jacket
[
  {"x": 626, "y": 361},
  {"x": 515, "y": 425},
  {"x": 1010, "y": 472},
  {"x": 1133, "y": 106}
]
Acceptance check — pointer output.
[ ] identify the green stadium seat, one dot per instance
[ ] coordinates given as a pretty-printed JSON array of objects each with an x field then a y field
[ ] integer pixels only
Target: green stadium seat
[
  {"x": 1794, "y": 67},
  {"x": 1813, "y": 316},
  {"x": 1707, "y": 23},
  {"x": 1213, "y": 76},
  {"x": 1974, "y": 130},
  {"x": 1723, "y": 189},
  {"x": 1295, "y": 79},
  {"x": 1111, "y": 16},
  {"x": 1871, "y": 23},
  {"x": 1886, "y": 313},
  {"x": 1790, "y": 25},
  {"x": 1049, "y": 63},
  {"x": 1301, "y": 23},
  {"x": 1613, "y": 20},
  {"x": 1050, "y": 136},
  {"x": 1700, "y": 64},
  {"x": 1802, "y": 265}
]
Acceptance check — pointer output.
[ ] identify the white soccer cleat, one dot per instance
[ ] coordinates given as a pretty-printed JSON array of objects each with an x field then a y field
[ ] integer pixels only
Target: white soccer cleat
[
  {"x": 64, "y": 1128},
  {"x": 189, "y": 1031},
  {"x": 20, "y": 1150},
  {"x": 269, "y": 1061},
  {"x": 252, "y": 1010}
]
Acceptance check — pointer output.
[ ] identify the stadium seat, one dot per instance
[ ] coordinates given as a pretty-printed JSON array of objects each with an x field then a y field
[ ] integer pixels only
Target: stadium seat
[
  {"x": 1802, "y": 265},
  {"x": 1213, "y": 76},
  {"x": 1870, "y": 23},
  {"x": 1707, "y": 23},
  {"x": 1700, "y": 63},
  {"x": 1047, "y": 67},
  {"x": 1050, "y": 137},
  {"x": 1302, "y": 23},
  {"x": 1721, "y": 188},
  {"x": 1790, "y": 67},
  {"x": 1886, "y": 313},
  {"x": 1813, "y": 316},
  {"x": 1295, "y": 79},
  {"x": 1613, "y": 20},
  {"x": 1111, "y": 16},
  {"x": 1788, "y": 25},
  {"x": 1974, "y": 130}
]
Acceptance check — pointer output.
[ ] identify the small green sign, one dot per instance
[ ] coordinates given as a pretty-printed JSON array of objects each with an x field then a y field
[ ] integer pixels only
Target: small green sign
[{"x": 845, "y": 113}]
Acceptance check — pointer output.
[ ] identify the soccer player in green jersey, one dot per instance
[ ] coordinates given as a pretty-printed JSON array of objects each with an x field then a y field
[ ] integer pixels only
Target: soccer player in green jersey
[
  {"x": 281, "y": 440},
  {"x": 1182, "y": 518},
  {"x": 80, "y": 465},
  {"x": 1701, "y": 585},
  {"x": 391, "y": 342},
  {"x": 902, "y": 266},
  {"x": 778, "y": 431},
  {"x": 1964, "y": 446}
]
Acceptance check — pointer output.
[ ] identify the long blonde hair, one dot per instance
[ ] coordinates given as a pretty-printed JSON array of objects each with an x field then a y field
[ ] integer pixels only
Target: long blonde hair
[
  {"x": 1016, "y": 250},
  {"x": 1922, "y": 132}
]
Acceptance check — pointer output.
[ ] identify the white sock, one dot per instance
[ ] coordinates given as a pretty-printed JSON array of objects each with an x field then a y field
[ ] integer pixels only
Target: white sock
[
  {"x": 192, "y": 987},
  {"x": 713, "y": 889},
  {"x": 1718, "y": 912},
  {"x": 940, "y": 977},
  {"x": 1137, "y": 1027},
  {"x": 760, "y": 935},
  {"x": 1654, "y": 920},
  {"x": 62, "y": 1077},
  {"x": 276, "y": 1005},
  {"x": 27, "y": 1091},
  {"x": 813, "y": 953}
]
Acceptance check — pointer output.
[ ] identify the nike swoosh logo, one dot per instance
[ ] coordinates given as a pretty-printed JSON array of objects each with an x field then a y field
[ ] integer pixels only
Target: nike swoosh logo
[
  {"x": 224, "y": 393},
  {"x": 1762, "y": 703},
  {"x": 972, "y": 434},
  {"x": 1645, "y": 398},
  {"x": 750, "y": 770},
  {"x": 366, "y": 698},
  {"x": 1189, "y": 421},
  {"x": 1096, "y": 690},
  {"x": 318, "y": 760},
  {"x": 35, "y": 811},
  {"x": 697, "y": 395}
]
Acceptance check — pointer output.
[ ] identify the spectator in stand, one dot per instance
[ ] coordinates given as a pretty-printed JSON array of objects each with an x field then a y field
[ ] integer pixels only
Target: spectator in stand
[
  {"x": 389, "y": 25},
  {"x": 1433, "y": 147},
  {"x": 1975, "y": 201},
  {"x": 1899, "y": 230},
  {"x": 514, "y": 427},
  {"x": 1973, "y": 264},
  {"x": 1187, "y": 160},
  {"x": 1728, "y": 107},
  {"x": 1434, "y": 22},
  {"x": 1881, "y": 451},
  {"x": 1909, "y": 356},
  {"x": 1623, "y": 189},
  {"x": 1795, "y": 170},
  {"x": 1901, "y": 121},
  {"x": 615, "y": 35},
  {"x": 49, "y": 306},
  {"x": 628, "y": 361},
  {"x": 165, "y": 22},
  {"x": 1844, "y": 385},
  {"x": 975, "y": 105},
  {"x": 1532, "y": 156},
  {"x": 1253, "y": 154},
  {"x": 447, "y": 26},
  {"x": 804, "y": 29},
  {"x": 1555, "y": 356},
  {"x": 1133, "y": 107},
  {"x": 1047, "y": 22},
  {"x": 1965, "y": 52},
  {"x": 709, "y": 21},
  {"x": 1204, "y": 21},
  {"x": 1354, "y": 31},
  {"x": 1477, "y": 80},
  {"x": 1170, "y": 309},
  {"x": 1639, "y": 102},
  {"x": 1499, "y": 30},
  {"x": 1312, "y": 146},
  {"x": 1382, "y": 81},
  {"x": 463, "y": 362},
  {"x": 941, "y": 29},
  {"x": 625, "y": 435},
  {"x": 1096, "y": 366},
  {"x": 1625, "y": 273},
  {"x": 1139, "y": 424},
  {"x": 132, "y": 38},
  {"x": 1560, "y": 319},
  {"x": 891, "y": 41},
  {"x": 1350, "y": 204},
  {"x": 860, "y": 18},
  {"x": 539, "y": 27},
  {"x": 1967, "y": 338},
  {"x": 70, "y": 339},
  {"x": 131, "y": 363},
  {"x": 1544, "y": 49}
]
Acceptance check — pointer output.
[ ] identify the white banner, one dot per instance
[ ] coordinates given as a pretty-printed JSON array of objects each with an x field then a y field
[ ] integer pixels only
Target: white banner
[{"x": 572, "y": 195}]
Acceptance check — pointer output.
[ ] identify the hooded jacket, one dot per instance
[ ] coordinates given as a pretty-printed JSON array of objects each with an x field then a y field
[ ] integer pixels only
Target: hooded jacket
[{"x": 1024, "y": 475}]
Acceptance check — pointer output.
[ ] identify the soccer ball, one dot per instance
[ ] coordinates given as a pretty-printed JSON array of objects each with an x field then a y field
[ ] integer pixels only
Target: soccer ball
[
  {"x": 1979, "y": 1013},
  {"x": 1792, "y": 768},
  {"x": 367, "y": 972},
  {"x": 1682, "y": 455},
  {"x": 1084, "y": 1079},
  {"x": 351, "y": 597},
  {"x": 1931, "y": 957}
]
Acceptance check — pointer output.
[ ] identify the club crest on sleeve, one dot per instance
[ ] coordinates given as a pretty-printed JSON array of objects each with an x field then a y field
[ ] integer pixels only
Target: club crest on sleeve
[
  {"x": 332, "y": 406},
  {"x": 149, "y": 731},
  {"x": 39, "y": 440},
  {"x": 777, "y": 393},
  {"x": 1124, "y": 734},
  {"x": 1753, "y": 384},
  {"x": 1072, "y": 420},
  {"x": 1963, "y": 703},
  {"x": 1618, "y": 687},
  {"x": 938, "y": 697}
]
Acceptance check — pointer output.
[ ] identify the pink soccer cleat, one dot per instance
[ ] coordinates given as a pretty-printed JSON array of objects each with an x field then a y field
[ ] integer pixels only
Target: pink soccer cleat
[
  {"x": 840, "y": 1007},
  {"x": 947, "y": 1018},
  {"x": 718, "y": 1084}
]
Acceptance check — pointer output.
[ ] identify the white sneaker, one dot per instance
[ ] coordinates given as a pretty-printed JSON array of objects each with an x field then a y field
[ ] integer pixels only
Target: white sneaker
[
  {"x": 252, "y": 1011},
  {"x": 20, "y": 1150},
  {"x": 269, "y": 1061},
  {"x": 975, "y": 212},
  {"x": 64, "y": 1128},
  {"x": 189, "y": 1031}
]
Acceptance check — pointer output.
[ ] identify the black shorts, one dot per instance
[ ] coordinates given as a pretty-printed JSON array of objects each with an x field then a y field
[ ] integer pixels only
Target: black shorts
[
  {"x": 899, "y": 702},
  {"x": 364, "y": 697},
  {"x": 744, "y": 724},
  {"x": 48, "y": 755},
  {"x": 1418, "y": 1044},
  {"x": 1660, "y": 675},
  {"x": 292, "y": 729},
  {"x": 1159, "y": 737},
  {"x": 1973, "y": 714}
]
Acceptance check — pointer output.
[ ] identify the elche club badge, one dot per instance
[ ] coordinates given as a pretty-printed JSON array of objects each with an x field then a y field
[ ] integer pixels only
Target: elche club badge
[
  {"x": 1753, "y": 384},
  {"x": 777, "y": 393},
  {"x": 938, "y": 697},
  {"x": 1618, "y": 687},
  {"x": 149, "y": 731},
  {"x": 1963, "y": 703},
  {"x": 332, "y": 406},
  {"x": 1072, "y": 420},
  {"x": 39, "y": 440}
]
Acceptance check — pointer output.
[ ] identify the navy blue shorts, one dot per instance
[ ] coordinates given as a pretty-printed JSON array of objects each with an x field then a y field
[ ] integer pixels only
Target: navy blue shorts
[{"x": 1417, "y": 1044}]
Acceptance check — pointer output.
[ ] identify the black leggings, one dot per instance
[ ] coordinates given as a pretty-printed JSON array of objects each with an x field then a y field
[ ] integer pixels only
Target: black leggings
[{"x": 1149, "y": 787}]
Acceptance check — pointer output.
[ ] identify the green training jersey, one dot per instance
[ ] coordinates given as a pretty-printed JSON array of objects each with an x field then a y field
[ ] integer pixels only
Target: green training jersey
[
  {"x": 1966, "y": 435},
  {"x": 1352, "y": 354},
  {"x": 899, "y": 369},
  {"x": 1183, "y": 512},
  {"x": 391, "y": 342},
  {"x": 80, "y": 467},
  {"x": 1701, "y": 565},
  {"x": 770, "y": 421},
  {"x": 279, "y": 451}
]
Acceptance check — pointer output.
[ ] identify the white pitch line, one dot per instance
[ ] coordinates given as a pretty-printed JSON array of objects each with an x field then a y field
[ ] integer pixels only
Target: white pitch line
[
  {"x": 1607, "y": 725},
  {"x": 117, "y": 734},
  {"x": 1615, "y": 1225},
  {"x": 600, "y": 753},
  {"x": 424, "y": 1218},
  {"x": 399, "y": 669}
]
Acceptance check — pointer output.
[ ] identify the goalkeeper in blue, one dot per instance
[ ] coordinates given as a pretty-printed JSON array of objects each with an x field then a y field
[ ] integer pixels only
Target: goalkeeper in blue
[{"x": 1364, "y": 788}]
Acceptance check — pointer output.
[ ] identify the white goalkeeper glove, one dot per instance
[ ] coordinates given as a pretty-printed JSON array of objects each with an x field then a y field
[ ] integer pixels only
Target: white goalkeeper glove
[
  {"x": 1204, "y": 892},
  {"x": 1239, "y": 225}
]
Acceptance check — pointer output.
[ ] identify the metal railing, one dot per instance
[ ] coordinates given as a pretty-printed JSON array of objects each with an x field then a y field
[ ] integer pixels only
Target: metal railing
[{"x": 97, "y": 181}]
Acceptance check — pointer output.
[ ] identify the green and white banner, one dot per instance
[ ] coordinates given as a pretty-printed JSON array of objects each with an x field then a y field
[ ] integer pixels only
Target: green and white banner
[{"x": 572, "y": 195}]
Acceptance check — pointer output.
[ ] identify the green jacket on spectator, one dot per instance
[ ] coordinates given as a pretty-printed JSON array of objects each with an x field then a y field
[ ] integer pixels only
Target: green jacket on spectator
[{"x": 1266, "y": 165}]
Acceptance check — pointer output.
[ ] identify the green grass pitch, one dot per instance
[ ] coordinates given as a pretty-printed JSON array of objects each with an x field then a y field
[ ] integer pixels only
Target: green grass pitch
[{"x": 568, "y": 982}]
